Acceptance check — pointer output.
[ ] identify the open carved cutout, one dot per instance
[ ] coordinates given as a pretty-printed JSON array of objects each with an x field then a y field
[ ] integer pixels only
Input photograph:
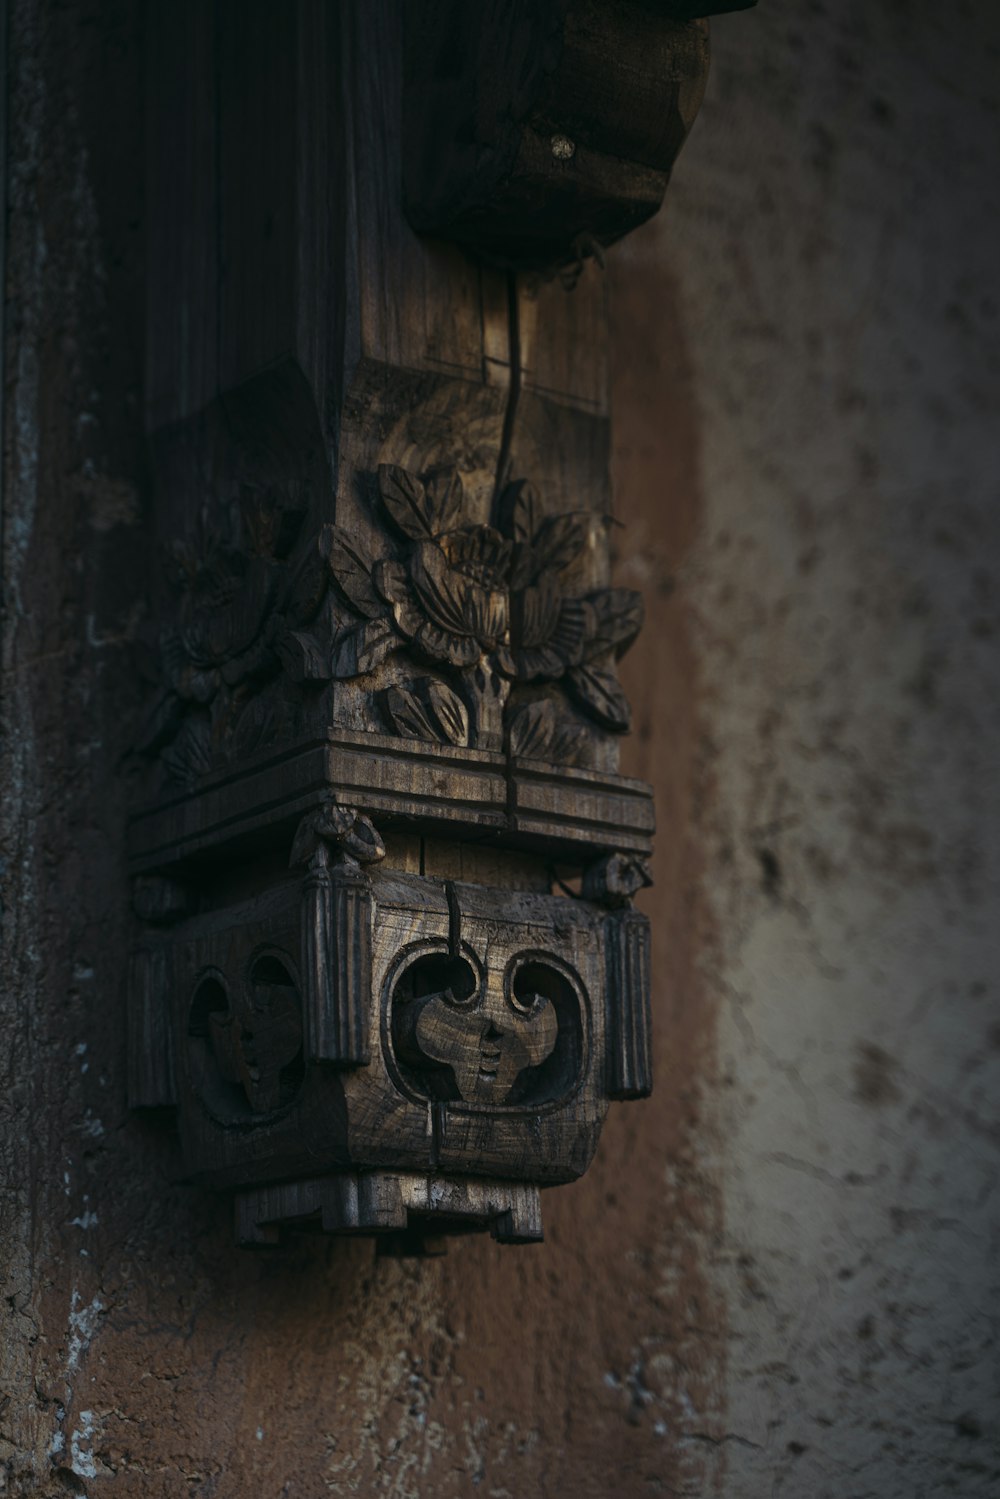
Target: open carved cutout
[
  {"x": 499, "y": 1040},
  {"x": 530, "y": 982},
  {"x": 246, "y": 1048}
]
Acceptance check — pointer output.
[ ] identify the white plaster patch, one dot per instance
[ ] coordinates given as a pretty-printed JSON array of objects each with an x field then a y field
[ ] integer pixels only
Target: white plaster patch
[
  {"x": 82, "y": 1326},
  {"x": 81, "y": 1459},
  {"x": 91, "y": 1126},
  {"x": 843, "y": 598}
]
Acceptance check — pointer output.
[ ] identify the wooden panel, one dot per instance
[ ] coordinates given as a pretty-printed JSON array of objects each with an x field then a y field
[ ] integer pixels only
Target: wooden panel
[
  {"x": 485, "y": 864},
  {"x": 421, "y": 301},
  {"x": 151, "y": 1082},
  {"x": 181, "y": 208},
  {"x": 259, "y": 217},
  {"x": 562, "y": 333}
]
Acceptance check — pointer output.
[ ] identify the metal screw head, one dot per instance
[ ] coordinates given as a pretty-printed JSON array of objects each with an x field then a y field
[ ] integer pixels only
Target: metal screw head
[{"x": 562, "y": 147}]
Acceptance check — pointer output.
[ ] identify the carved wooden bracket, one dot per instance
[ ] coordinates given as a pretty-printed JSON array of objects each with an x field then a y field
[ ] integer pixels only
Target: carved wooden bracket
[
  {"x": 388, "y": 971},
  {"x": 539, "y": 131}
]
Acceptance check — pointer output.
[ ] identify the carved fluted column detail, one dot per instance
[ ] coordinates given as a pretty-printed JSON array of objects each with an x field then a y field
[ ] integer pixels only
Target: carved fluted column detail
[{"x": 630, "y": 1062}]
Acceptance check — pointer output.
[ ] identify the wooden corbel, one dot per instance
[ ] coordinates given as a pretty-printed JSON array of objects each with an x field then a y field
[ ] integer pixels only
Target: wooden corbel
[{"x": 388, "y": 971}]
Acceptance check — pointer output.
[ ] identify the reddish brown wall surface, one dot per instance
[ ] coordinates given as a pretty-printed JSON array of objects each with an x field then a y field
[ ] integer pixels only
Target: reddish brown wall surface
[{"x": 779, "y": 1275}]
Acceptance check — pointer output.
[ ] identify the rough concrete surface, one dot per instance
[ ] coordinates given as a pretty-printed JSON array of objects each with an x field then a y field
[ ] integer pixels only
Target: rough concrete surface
[{"x": 779, "y": 1276}]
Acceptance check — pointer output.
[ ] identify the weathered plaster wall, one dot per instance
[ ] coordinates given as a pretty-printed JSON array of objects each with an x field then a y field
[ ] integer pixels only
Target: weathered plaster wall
[
  {"x": 829, "y": 247},
  {"x": 775, "y": 1278}
]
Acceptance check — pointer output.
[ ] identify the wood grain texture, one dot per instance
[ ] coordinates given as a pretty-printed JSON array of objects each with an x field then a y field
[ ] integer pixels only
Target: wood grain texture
[
  {"x": 386, "y": 715},
  {"x": 182, "y": 287},
  {"x": 630, "y": 1021},
  {"x": 387, "y": 1204},
  {"x": 537, "y": 132},
  {"x": 350, "y": 966},
  {"x": 151, "y": 1083}
]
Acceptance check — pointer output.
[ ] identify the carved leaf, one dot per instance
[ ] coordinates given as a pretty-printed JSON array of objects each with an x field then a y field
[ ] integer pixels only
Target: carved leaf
[
  {"x": 190, "y": 754},
  {"x": 521, "y": 510},
  {"x": 306, "y": 843},
  {"x": 575, "y": 627},
  {"x": 256, "y": 661},
  {"x": 618, "y": 614},
  {"x": 440, "y": 645},
  {"x": 504, "y": 662},
  {"x": 159, "y": 724},
  {"x": 408, "y": 502},
  {"x": 559, "y": 542},
  {"x": 316, "y": 829},
  {"x": 390, "y": 580},
  {"x": 335, "y": 822},
  {"x": 601, "y": 694},
  {"x": 540, "y": 732},
  {"x": 568, "y": 744},
  {"x": 444, "y": 497},
  {"x": 480, "y": 553},
  {"x": 535, "y": 614},
  {"x": 307, "y": 585},
  {"x": 195, "y": 686},
  {"x": 363, "y": 841},
  {"x": 407, "y": 714},
  {"x": 272, "y": 519},
  {"x": 303, "y": 658},
  {"x": 363, "y": 649},
  {"x": 532, "y": 730},
  {"x": 257, "y": 725},
  {"x": 448, "y": 712},
  {"x": 442, "y": 590},
  {"x": 614, "y": 880},
  {"x": 352, "y": 569},
  {"x": 522, "y": 567},
  {"x": 343, "y": 827}
]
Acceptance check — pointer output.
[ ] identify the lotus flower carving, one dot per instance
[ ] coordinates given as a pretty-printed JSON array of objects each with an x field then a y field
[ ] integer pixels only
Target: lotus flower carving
[
  {"x": 450, "y": 601},
  {"x": 497, "y": 612},
  {"x": 495, "y": 604}
]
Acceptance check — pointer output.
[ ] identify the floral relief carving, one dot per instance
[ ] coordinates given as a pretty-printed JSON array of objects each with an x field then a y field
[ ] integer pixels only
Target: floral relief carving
[
  {"x": 495, "y": 606},
  {"x": 236, "y": 594},
  {"x": 486, "y": 608}
]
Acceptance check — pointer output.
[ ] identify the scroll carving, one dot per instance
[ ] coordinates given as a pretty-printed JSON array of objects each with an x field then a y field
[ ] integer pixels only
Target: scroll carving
[{"x": 469, "y": 1031}]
